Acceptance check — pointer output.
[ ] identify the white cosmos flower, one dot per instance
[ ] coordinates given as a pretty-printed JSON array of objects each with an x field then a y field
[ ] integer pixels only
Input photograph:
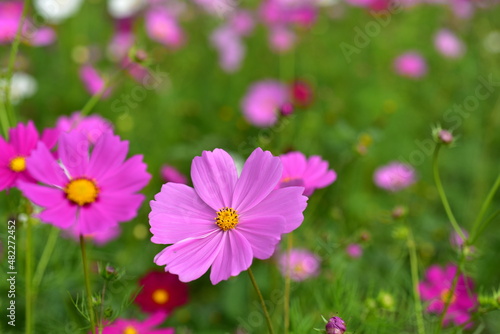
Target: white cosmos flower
[
  {"x": 22, "y": 86},
  {"x": 56, "y": 11},
  {"x": 124, "y": 8}
]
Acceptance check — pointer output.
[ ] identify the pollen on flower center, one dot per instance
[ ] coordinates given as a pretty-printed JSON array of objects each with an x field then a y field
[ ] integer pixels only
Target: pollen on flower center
[
  {"x": 81, "y": 191},
  {"x": 18, "y": 164},
  {"x": 160, "y": 296},
  {"x": 446, "y": 296},
  {"x": 130, "y": 330},
  {"x": 227, "y": 219}
]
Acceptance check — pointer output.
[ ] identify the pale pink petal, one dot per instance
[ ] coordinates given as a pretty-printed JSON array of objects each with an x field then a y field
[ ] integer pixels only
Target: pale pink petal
[
  {"x": 43, "y": 36},
  {"x": 294, "y": 164},
  {"x": 44, "y": 168},
  {"x": 260, "y": 175},
  {"x": 214, "y": 177},
  {"x": 74, "y": 153},
  {"x": 178, "y": 213},
  {"x": 263, "y": 234},
  {"x": 287, "y": 202},
  {"x": 191, "y": 258},
  {"x": 235, "y": 256}
]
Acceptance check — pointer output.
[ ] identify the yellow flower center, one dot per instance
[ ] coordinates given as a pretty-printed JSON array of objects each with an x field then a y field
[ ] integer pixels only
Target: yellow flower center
[
  {"x": 18, "y": 164},
  {"x": 160, "y": 296},
  {"x": 446, "y": 296},
  {"x": 81, "y": 191},
  {"x": 130, "y": 330},
  {"x": 227, "y": 219}
]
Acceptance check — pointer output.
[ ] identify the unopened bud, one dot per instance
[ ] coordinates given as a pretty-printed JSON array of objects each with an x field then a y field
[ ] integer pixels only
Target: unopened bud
[{"x": 335, "y": 325}]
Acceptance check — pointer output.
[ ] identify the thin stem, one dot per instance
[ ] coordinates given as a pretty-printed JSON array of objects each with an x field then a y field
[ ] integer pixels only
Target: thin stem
[
  {"x": 414, "y": 278},
  {"x": 286, "y": 305},
  {"x": 103, "y": 293},
  {"x": 4, "y": 120},
  {"x": 442, "y": 194},
  {"x": 87, "y": 284},
  {"x": 262, "y": 303},
  {"x": 44, "y": 259},
  {"x": 12, "y": 60},
  {"x": 484, "y": 208},
  {"x": 29, "y": 281},
  {"x": 482, "y": 226}
]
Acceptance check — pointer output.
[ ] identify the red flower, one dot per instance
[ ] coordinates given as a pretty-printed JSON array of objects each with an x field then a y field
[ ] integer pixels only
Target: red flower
[{"x": 161, "y": 291}]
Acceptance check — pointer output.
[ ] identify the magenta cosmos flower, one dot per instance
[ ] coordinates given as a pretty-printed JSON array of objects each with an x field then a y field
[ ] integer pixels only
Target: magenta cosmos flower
[
  {"x": 162, "y": 26},
  {"x": 226, "y": 220},
  {"x": 354, "y": 250},
  {"x": 300, "y": 263},
  {"x": 13, "y": 154},
  {"x": 411, "y": 65},
  {"x": 394, "y": 176},
  {"x": 92, "y": 127},
  {"x": 312, "y": 173},
  {"x": 436, "y": 289},
  {"x": 86, "y": 192},
  {"x": 263, "y": 101},
  {"x": 161, "y": 291},
  {"x": 133, "y": 326}
]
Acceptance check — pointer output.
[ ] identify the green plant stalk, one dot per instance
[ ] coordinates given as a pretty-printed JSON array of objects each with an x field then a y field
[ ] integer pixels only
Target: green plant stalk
[
  {"x": 414, "y": 278},
  {"x": 484, "y": 207},
  {"x": 442, "y": 194},
  {"x": 28, "y": 278},
  {"x": 10, "y": 68},
  {"x": 87, "y": 284},
  {"x": 262, "y": 303},
  {"x": 482, "y": 226},
  {"x": 101, "y": 316},
  {"x": 44, "y": 259},
  {"x": 286, "y": 303},
  {"x": 4, "y": 120}
]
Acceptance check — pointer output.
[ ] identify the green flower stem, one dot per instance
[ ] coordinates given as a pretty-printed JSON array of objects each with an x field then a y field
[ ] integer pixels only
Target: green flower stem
[
  {"x": 414, "y": 278},
  {"x": 478, "y": 225},
  {"x": 262, "y": 303},
  {"x": 442, "y": 194},
  {"x": 44, "y": 260},
  {"x": 10, "y": 68},
  {"x": 286, "y": 303},
  {"x": 4, "y": 120},
  {"x": 28, "y": 278},
  {"x": 482, "y": 226},
  {"x": 87, "y": 285}
]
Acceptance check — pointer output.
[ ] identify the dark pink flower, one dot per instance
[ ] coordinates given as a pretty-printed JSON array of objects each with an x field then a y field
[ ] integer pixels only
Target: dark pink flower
[
  {"x": 311, "y": 173},
  {"x": 133, "y": 326},
  {"x": 161, "y": 291},
  {"x": 171, "y": 174},
  {"x": 226, "y": 220},
  {"x": 14, "y": 153},
  {"x": 86, "y": 192},
  {"x": 436, "y": 290},
  {"x": 411, "y": 65},
  {"x": 354, "y": 250},
  {"x": 302, "y": 93}
]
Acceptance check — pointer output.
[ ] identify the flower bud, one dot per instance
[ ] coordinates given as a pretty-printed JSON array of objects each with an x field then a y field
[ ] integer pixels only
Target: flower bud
[{"x": 335, "y": 325}]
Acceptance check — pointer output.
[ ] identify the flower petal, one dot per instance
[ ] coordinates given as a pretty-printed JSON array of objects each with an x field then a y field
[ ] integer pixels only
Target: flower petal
[
  {"x": 92, "y": 219},
  {"x": 260, "y": 174},
  {"x": 191, "y": 258},
  {"x": 263, "y": 234},
  {"x": 119, "y": 207},
  {"x": 74, "y": 153},
  {"x": 44, "y": 168},
  {"x": 108, "y": 154},
  {"x": 294, "y": 165},
  {"x": 178, "y": 213},
  {"x": 286, "y": 202},
  {"x": 214, "y": 177},
  {"x": 23, "y": 138},
  {"x": 234, "y": 257},
  {"x": 131, "y": 176},
  {"x": 62, "y": 215},
  {"x": 43, "y": 196}
]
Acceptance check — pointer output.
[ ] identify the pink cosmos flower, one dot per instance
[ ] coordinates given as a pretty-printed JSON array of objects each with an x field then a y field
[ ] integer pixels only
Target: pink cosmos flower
[
  {"x": 92, "y": 127},
  {"x": 100, "y": 238},
  {"x": 93, "y": 81},
  {"x": 354, "y": 250},
  {"x": 448, "y": 44},
  {"x": 436, "y": 289},
  {"x": 281, "y": 38},
  {"x": 263, "y": 101},
  {"x": 231, "y": 49},
  {"x": 394, "y": 176},
  {"x": 10, "y": 18},
  {"x": 278, "y": 12},
  {"x": 312, "y": 173},
  {"x": 133, "y": 326},
  {"x": 15, "y": 152},
  {"x": 123, "y": 39},
  {"x": 226, "y": 220},
  {"x": 411, "y": 65},
  {"x": 86, "y": 192},
  {"x": 300, "y": 263},
  {"x": 242, "y": 22},
  {"x": 162, "y": 26},
  {"x": 171, "y": 174}
]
